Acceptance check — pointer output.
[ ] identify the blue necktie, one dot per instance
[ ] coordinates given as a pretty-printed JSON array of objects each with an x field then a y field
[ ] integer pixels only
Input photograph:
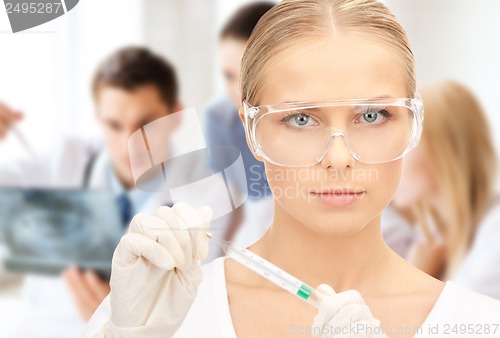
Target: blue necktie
[{"x": 125, "y": 206}]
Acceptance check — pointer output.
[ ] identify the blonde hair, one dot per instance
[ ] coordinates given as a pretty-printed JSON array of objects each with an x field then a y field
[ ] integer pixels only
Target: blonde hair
[
  {"x": 293, "y": 21},
  {"x": 460, "y": 151}
]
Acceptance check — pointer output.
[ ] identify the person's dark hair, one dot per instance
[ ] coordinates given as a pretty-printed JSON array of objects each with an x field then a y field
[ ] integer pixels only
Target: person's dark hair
[
  {"x": 243, "y": 21},
  {"x": 132, "y": 67}
]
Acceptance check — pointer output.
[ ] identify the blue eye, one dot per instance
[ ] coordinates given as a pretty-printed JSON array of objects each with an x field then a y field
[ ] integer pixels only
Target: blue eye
[
  {"x": 298, "y": 120},
  {"x": 301, "y": 120},
  {"x": 375, "y": 116}
]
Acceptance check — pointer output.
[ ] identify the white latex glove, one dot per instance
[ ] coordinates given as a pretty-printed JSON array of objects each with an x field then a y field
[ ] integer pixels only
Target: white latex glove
[
  {"x": 156, "y": 272},
  {"x": 344, "y": 314}
]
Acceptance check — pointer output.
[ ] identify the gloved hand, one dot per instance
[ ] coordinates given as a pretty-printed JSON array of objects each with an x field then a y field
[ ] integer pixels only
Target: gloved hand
[
  {"x": 156, "y": 272},
  {"x": 344, "y": 314}
]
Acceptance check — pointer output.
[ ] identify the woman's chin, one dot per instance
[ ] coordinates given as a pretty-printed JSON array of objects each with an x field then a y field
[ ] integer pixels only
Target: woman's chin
[{"x": 335, "y": 228}]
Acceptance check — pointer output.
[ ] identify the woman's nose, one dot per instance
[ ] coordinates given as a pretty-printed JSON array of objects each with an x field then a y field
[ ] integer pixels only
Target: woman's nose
[{"x": 338, "y": 155}]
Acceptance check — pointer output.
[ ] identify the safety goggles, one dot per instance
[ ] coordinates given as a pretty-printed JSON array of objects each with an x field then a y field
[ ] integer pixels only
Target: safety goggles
[{"x": 299, "y": 134}]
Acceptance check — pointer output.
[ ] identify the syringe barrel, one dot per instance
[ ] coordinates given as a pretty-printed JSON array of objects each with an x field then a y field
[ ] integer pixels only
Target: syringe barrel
[
  {"x": 268, "y": 270},
  {"x": 276, "y": 275}
]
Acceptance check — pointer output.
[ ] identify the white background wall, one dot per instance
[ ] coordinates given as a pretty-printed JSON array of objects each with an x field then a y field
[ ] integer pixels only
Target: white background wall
[{"x": 457, "y": 39}]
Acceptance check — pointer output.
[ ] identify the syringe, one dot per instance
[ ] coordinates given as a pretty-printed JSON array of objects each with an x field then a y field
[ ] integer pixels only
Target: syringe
[{"x": 270, "y": 271}]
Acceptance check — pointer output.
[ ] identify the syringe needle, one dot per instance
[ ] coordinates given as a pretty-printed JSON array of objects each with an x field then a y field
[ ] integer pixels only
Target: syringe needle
[{"x": 222, "y": 243}]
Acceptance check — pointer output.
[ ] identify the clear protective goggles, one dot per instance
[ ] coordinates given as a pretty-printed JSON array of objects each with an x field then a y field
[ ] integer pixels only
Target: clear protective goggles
[{"x": 299, "y": 134}]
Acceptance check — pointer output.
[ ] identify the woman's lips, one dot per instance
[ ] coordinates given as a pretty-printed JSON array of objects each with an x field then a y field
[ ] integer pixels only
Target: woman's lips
[{"x": 338, "y": 198}]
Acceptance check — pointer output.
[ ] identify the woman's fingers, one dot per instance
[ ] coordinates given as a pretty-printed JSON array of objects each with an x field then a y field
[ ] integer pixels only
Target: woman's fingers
[
  {"x": 133, "y": 246},
  {"x": 197, "y": 222},
  {"x": 332, "y": 305},
  {"x": 159, "y": 231},
  {"x": 200, "y": 233},
  {"x": 179, "y": 230}
]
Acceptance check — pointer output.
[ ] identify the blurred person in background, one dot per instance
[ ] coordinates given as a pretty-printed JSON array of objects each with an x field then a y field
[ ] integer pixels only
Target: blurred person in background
[
  {"x": 224, "y": 127},
  {"x": 445, "y": 216},
  {"x": 131, "y": 88}
]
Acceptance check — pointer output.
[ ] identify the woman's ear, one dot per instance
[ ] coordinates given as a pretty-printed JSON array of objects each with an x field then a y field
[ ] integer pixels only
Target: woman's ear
[{"x": 242, "y": 118}]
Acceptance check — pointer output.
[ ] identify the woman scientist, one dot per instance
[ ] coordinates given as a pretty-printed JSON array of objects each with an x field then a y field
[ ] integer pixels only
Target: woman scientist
[{"x": 328, "y": 92}]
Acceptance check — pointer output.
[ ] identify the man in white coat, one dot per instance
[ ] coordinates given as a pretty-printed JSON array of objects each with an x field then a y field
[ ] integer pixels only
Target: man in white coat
[{"x": 131, "y": 88}]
